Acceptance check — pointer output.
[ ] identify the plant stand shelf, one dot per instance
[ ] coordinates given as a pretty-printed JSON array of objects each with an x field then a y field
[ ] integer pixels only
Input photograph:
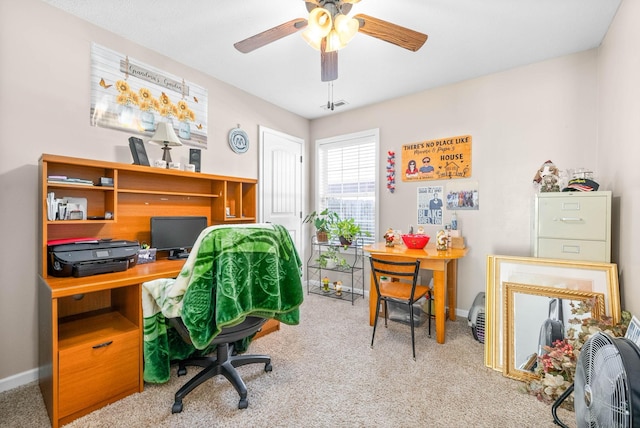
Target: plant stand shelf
[{"x": 350, "y": 274}]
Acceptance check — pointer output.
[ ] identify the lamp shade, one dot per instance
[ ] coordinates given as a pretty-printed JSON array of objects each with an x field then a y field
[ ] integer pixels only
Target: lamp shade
[
  {"x": 319, "y": 25},
  {"x": 346, "y": 28},
  {"x": 333, "y": 42},
  {"x": 165, "y": 135}
]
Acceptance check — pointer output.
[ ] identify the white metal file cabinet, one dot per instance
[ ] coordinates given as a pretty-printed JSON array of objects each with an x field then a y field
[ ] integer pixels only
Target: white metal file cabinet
[{"x": 572, "y": 225}]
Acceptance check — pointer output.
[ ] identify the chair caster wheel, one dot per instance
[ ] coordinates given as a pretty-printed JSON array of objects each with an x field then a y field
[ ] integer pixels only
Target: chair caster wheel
[
  {"x": 267, "y": 367},
  {"x": 182, "y": 371},
  {"x": 177, "y": 407},
  {"x": 243, "y": 403}
]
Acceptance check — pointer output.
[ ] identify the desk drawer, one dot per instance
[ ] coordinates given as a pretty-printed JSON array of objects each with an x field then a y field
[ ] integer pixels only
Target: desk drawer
[
  {"x": 577, "y": 217},
  {"x": 93, "y": 373},
  {"x": 594, "y": 251}
]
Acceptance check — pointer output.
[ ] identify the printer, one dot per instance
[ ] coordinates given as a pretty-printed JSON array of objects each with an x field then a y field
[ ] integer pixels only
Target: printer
[{"x": 84, "y": 258}]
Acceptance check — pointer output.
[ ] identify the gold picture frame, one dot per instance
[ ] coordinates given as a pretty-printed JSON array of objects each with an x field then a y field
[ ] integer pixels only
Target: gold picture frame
[
  {"x": 529, "y": 325},
  {"x": 563, "y": 274}
]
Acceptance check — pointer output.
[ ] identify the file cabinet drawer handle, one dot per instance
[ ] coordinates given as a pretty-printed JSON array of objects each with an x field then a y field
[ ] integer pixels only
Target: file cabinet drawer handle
[
  {"x": 572, "y": 249},
  {"x": 102, "y": 345},
  {"x": 571, "y": 219}
]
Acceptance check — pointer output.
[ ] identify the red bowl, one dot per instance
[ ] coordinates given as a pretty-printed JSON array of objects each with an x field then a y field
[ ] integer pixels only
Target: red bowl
[{"x": 415, "y": 242}]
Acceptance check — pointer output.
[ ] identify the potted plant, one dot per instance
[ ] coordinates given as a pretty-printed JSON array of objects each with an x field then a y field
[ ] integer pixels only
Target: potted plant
[
  {"x": 322, "y": 222},
  {"x": 347, "y": 230},
  {"x": 331, "y": 259}
]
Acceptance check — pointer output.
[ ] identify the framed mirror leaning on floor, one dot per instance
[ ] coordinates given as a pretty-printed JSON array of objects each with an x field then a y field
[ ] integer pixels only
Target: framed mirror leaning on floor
[
  {"x": 536, "y": 317},
  {"x": 555, "y": 273}
]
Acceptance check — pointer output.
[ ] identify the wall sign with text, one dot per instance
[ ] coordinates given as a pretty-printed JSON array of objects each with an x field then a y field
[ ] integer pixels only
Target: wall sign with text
[{"x": 440, "y": 159}]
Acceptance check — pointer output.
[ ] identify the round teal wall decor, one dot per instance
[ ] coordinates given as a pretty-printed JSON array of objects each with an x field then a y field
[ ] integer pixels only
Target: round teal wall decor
[{"x": 238, "y": 140}]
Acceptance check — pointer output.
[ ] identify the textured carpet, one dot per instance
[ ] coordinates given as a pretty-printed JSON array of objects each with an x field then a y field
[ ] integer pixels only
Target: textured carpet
[{"x": 326, "y": 375}]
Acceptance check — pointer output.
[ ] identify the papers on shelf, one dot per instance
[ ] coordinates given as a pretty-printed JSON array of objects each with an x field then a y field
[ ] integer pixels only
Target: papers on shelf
[
  {"x": 63, "y": 179},
  {"x": 66, "y": 208}
]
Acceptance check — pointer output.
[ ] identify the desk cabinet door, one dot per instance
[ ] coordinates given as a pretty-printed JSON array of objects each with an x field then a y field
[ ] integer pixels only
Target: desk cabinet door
[{"x": 91, "y": 374}]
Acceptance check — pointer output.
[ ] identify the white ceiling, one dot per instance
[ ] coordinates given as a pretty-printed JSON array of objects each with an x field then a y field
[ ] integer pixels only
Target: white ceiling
[{"x": 467, "y": 39}]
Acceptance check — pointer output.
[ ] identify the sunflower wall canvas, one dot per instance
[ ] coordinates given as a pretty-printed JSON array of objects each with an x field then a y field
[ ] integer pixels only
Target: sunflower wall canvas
[{"x": 129, "y": 95}]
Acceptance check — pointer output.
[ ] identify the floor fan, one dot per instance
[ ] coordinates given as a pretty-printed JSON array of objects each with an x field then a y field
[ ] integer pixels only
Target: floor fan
[{"x": 606, "y": 384}]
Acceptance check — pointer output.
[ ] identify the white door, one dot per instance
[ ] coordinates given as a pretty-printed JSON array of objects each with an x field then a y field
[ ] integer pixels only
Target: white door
[{"x": 280, "y": 181}]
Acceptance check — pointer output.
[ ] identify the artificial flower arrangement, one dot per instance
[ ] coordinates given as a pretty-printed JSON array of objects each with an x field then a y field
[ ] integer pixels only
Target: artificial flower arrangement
[{"x": 557, "y": 367}]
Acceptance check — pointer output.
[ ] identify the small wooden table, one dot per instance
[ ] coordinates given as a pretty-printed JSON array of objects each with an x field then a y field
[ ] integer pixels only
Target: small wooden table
[{"x": 444, "y": 266}]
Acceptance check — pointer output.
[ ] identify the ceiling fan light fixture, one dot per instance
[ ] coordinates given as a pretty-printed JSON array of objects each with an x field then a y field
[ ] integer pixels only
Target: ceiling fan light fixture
[
  {"x": 334, "y": 42},
  {"x": 319, "y": 23},
  {"x": 346, "y": 28},
  {"x": 313, "y": 42}
]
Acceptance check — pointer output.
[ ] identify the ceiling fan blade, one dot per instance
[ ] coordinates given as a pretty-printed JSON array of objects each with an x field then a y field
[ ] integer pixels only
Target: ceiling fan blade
[
  {"x": 271, "y": 35},
  {"x": 392, "y": 33},
  {"x": 328, "y": 65}
]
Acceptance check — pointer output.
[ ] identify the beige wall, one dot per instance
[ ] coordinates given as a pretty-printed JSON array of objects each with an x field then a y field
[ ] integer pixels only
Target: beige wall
[
  {"x": 44, "y": 108},
  {"x": 579, "y": 111},
  {"x": 618, "y": 150},
  {"x": 518, "y": 119}
]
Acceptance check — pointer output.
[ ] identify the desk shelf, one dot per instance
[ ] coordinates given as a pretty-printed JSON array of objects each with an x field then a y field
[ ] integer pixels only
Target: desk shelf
[{"x": 352, "y": 276}]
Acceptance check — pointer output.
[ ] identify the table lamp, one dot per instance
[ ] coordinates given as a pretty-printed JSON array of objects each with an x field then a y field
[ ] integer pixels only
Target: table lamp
[{"x": 165, "y": 136}]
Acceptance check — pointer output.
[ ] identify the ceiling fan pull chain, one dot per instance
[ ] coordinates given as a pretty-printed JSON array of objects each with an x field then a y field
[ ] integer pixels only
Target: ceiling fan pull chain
[
  {"x": 329, "y": 96},
  {"x": 331, "y": 83}
]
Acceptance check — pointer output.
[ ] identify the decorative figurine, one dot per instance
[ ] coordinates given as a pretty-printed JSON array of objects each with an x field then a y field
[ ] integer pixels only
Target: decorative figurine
[
  {"x": 547, "y": 177},
  {"x": 420, "y": 230},
  {"x": 389, "y": 238},
  {"x": 441, "y": 240},
  {"x": 338, "y": 285},
  {"x": 325, "y": 284}
]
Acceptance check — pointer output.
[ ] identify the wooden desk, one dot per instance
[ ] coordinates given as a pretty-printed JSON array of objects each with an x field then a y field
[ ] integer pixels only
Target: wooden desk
[
  {"x": 91, "y": 338},
  {"x": 444, "y": 266}
]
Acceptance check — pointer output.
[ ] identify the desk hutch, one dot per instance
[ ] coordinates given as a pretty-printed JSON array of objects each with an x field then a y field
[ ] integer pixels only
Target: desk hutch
[{"x": 90, "y": 328}]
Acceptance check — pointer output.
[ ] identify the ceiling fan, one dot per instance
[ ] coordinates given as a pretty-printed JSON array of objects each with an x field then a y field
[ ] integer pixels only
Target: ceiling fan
[{"x": 330, "y": 29}]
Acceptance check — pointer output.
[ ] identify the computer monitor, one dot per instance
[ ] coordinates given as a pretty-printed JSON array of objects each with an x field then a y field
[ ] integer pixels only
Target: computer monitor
[{"x": 176, "y": 234}]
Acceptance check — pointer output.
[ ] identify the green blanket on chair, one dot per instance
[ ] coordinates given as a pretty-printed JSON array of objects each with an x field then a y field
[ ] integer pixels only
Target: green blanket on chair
[{"x": 232, "y": 272}]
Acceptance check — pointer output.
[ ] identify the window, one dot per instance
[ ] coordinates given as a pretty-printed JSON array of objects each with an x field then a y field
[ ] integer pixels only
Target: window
[{"x": 346, "y": 180}]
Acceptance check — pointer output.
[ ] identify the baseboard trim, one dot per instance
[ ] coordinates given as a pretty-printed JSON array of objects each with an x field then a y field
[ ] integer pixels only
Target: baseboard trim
[{"x": 18, "y": 380}]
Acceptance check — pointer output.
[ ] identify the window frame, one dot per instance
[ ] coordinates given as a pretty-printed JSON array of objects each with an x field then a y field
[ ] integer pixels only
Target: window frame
[{"x": 350, "y": 140}]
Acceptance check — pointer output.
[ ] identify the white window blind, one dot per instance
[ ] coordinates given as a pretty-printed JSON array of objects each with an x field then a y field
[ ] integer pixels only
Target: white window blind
[{"x": 347, "y": 178}]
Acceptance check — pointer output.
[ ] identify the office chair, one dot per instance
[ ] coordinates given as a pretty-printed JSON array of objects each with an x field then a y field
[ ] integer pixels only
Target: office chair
[
  {"x": 235, "y": 278},
  {"x": 224, "y": 362},
  {"x": 400, "y": 285}
]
